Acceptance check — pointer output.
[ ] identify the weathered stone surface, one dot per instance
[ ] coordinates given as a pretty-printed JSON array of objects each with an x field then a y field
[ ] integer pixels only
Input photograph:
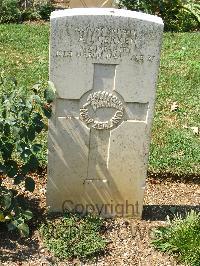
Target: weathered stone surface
[{"x": 104, "y": 64}]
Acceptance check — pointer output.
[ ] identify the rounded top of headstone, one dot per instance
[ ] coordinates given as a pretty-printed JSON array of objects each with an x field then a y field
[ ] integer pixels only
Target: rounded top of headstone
[{"x": 104, "y": 12}]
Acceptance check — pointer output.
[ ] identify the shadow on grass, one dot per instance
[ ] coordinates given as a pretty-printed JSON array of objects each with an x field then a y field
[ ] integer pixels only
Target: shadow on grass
[
  {"x": 160, "y": 212},
  {"x": 171, "y": 177},
  {"x": 14, "y": 248}
]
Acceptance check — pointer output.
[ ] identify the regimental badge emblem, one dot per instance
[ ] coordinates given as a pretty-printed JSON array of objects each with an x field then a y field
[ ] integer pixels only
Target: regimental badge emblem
[{"x": 102, "y": 99}]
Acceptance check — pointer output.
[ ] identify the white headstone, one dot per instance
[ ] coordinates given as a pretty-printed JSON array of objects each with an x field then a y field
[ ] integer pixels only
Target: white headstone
[{"x": 104, "y": 64}]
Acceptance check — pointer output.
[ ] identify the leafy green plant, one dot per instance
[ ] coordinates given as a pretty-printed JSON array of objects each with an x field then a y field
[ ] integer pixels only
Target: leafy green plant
[
  {"x": 178, "y": 15},
  {"x": 44, "y": 10},
  {"x": 22, "y": 118},
  {"x": 37, "y": 11},
  {"x": 181, "y": 237},
  {"x": 30, "y": 14},
  {"x": 9, "y": 11},
  {"x": 18, "y": 11},
  {"x": 73, "y": 236}
]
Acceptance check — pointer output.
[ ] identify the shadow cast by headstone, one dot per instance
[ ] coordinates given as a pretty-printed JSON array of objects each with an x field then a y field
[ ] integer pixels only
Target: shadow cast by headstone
[
  {"x": 160, "y": 212},
  {"x": 13, "y": 247},
  {"x": 171, "y": 177}
]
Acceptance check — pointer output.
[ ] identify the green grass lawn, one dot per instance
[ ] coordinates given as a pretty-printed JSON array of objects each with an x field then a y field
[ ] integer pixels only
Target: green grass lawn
[
  {"x": 174, "y": 148},
  {"x": 24, "y": 52}
]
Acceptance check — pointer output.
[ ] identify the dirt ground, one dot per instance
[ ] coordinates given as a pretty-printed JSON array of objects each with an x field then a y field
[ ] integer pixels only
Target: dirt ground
[{"x": 129, "y": 239}]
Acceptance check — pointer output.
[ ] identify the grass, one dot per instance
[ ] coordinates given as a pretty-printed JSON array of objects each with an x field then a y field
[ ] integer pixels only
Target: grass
[
  {"x": 181, "y": 238},
  {"x": 24, "y": 52},
  {"x": 174, "y": 146},
  {"x": 73, "y": 237}
]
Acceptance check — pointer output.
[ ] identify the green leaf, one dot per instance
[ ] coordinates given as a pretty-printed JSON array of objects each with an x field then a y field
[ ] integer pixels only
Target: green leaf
[
  {"x": 37, "y": 122},
  {"x": 31, "y": 165},
  {"x": 37, "y": 99},
  {"x": 12, "y": 226},
  {"x": 11, "y": 164},
  {"x": 51, "y": 86},
  {"x": 2, "y": 218},
  {"x": 31, "y": 133},
  {"x": 11, "y": 168},
  {"x": 20, "y": 219},
  {"x": 36, "y": 118},
  {"x": 7, "y": 129},
  {"x": 23, "y": 132},
  {"x": 21, "y": 146},
  {"x": 4, "y": 113},
  {"x": 29, "y": 105},
  {"x": 49, "y": 93},
  {"x": 36, "y": 147},
  {"x": 39, "y": 126},
  {"x": 26, "y": 115},
  {"x": 36, "y": 87},
  {"x": 24, "y": 229},
  {"x": 33, "y": 162},
  {"x": 47, "y": 112},
  {"x": 15, "y": 131},
  {"x": 6, "y": 150},
  {"x": 1, "y": 126},
  {"x": 6, "y": 200},
  {"x": 29, "y": 184},
  {"x": 18, "y": 179},
  {"x": 21, "y": 201},
  {"x": 27, "y": 215},
  {"x": 26, "y": 153},
  {"x": 2, "y": 168}
]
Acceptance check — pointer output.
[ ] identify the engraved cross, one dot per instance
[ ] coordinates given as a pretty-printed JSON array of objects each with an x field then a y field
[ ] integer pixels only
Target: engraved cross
[
  {"x": 102, "y": 109},
  {"x": 107, "y": 110},
  {"x": 104, "y": 80}
]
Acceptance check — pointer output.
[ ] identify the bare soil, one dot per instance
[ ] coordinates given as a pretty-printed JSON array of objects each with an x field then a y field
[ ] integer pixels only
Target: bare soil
[{"x": 129, "y": 239}]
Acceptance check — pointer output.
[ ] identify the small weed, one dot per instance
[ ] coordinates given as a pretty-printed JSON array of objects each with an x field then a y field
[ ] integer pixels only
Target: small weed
[
  {"x": 182, "y": 238},
  {"x": 73, "y": 236}
]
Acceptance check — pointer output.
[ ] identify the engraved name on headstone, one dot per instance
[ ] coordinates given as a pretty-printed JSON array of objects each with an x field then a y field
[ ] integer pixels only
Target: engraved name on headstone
[{"x": 104, "y": 65}]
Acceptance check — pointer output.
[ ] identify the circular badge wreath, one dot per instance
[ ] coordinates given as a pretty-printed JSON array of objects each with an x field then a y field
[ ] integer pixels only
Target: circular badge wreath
[{"x": 102, "y": 99}]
